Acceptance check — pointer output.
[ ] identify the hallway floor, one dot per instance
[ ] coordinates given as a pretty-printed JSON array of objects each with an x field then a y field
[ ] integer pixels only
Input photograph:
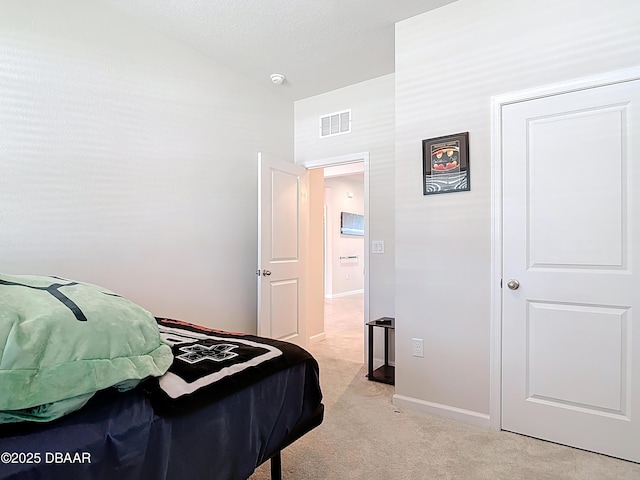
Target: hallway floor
[{"x": 344, "y": 329}]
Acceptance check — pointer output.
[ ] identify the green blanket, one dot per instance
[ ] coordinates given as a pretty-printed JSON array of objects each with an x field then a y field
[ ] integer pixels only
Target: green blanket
[{"x": 61, "y": 341}]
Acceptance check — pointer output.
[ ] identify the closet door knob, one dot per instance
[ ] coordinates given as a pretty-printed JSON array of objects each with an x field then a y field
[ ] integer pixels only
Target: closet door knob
[{"x": 513, "y": 284}]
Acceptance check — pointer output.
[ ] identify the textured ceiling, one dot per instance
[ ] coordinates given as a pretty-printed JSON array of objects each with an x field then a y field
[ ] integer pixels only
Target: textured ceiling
[{"x": 319, "y": 45}]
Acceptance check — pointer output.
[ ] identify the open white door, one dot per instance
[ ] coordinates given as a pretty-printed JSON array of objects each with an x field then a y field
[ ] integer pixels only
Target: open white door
[
  {"x": 571, "y": 222},
  {"x": 282, "y": 242}
]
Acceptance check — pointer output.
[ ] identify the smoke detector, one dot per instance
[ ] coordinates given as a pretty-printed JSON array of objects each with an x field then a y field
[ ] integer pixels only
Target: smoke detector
[{"x": 277, "y": 78}]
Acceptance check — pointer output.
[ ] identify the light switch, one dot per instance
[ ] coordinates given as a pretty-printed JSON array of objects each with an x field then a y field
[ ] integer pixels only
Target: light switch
[{"x": 377, "y": 246}]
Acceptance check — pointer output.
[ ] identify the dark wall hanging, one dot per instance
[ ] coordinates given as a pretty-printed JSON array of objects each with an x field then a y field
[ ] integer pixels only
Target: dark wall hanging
[{"x": 445, "y": 164}]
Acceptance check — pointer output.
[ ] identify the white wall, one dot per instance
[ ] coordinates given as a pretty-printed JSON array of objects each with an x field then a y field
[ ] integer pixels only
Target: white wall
[
  {"x": 449, "y": 63},
  {"x": 372, "y": 111},
  {"x": 129, "y": 161},
  {"x": 347, "y": 275}
]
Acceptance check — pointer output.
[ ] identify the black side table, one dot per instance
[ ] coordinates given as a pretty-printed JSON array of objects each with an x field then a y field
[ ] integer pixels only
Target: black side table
[{"x": 386, "y": 373}]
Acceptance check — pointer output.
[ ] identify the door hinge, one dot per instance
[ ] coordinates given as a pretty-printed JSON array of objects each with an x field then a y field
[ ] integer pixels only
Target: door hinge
[
  {"x": 259, "y": 271},
  {"x": 500, "y": 282}
]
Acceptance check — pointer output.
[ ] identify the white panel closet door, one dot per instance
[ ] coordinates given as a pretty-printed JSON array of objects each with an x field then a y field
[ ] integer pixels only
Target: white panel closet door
[{"x": 571, "y": 225}]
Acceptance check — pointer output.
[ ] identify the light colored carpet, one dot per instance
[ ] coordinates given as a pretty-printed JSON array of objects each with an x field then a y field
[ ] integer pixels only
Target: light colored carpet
[{"x": 365, "y": 437}]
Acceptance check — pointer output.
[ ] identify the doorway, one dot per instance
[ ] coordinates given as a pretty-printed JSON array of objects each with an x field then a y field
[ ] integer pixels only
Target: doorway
[{"x": 345, "y": 272}]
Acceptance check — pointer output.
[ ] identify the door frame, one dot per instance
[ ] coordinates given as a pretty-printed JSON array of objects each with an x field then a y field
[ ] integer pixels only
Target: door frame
[
  {"x": 497, "y": 102},
  {"x": 344, "y": 160}
]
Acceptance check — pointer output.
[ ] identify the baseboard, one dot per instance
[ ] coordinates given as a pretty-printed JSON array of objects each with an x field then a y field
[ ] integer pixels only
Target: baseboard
[
  {"x": 345, "y": 294},
  {"x": 447, "y": 411},
  {"x": 317, "y": 338}
]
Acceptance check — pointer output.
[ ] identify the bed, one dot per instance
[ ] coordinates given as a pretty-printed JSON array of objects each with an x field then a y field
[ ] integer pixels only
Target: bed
[{"x": 227, "y": 402}]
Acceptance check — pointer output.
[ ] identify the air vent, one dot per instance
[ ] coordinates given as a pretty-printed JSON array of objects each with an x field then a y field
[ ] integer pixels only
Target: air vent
[{"x": 335, "y": 124}]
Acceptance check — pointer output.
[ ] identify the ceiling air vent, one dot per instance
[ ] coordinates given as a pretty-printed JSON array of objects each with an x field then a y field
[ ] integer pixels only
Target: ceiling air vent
[{"x": 335, "y": 124}]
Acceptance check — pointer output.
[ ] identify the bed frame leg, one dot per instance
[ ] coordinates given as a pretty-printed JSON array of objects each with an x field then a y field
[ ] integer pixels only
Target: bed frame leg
[{"x": 276, "y": 467}]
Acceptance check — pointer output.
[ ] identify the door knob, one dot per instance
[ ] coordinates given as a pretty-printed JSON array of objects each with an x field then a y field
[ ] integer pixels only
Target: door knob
[
  {"x": 513, "y": 284},
  {"x": 266, "y": 272}
]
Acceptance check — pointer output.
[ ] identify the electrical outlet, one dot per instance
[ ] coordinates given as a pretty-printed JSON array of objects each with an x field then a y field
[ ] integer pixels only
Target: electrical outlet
[{"x": 418, "y": 347}]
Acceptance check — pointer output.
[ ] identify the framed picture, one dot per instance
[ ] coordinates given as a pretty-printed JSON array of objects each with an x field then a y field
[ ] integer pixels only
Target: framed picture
[{"x": 445, "y": 164}]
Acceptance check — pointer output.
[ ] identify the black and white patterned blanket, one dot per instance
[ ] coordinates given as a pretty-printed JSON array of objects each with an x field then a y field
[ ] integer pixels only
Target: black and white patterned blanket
[{"x": 212, "y": 364}]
